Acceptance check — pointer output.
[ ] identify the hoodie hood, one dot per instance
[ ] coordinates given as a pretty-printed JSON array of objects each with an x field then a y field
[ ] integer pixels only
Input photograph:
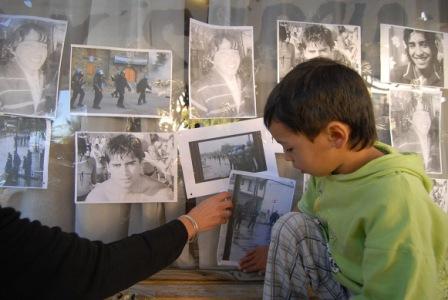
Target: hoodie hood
[{"x": 393, "y": 161}]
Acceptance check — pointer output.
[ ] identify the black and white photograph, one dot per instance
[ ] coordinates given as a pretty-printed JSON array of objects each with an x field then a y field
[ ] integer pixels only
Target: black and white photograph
[
  {"x": 208, "y": 154},
  {"x": 30, "y": 59},
  {"x": 259, "y": 201},
  {"x": 413, "y": 56},
  {"x": 24, "y": 152},
  {"x": 123, "y": 167},
  {"x": 439, "y": 193},
  {"x": 381, "y": 105},
  {"x": 221, "y": 68},
  {"x": 415, "y": 123},
  {"x": 216, "y": 157},
  {"x": 300, "y": 41},
  {"x": 120, "y": 82}
]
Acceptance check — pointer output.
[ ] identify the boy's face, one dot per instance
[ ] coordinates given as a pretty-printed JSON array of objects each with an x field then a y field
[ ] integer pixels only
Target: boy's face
[
  {"x": 419, "y": 50},
  {"x": 320, "y": 49},
  {"x": 124, "y": 170},
  {"x": 316, "y": 158}
]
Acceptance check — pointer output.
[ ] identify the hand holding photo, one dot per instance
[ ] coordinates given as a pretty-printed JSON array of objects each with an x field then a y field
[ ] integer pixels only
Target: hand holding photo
[{"x": 259, "y": 200}]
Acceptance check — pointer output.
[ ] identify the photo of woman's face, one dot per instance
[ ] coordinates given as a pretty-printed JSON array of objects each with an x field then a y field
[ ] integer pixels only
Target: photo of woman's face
[{"x": 31, "y": 53}]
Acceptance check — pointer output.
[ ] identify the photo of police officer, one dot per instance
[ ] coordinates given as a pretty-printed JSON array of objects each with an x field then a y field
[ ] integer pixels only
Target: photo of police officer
[{"x": 120, "y": 82}]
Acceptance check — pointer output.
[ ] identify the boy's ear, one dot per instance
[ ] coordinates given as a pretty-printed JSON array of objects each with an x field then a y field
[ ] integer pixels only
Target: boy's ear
[{"x": 338, "y": 134}]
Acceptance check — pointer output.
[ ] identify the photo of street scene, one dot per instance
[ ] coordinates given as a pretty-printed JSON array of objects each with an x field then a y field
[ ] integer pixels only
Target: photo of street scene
[
  {"x": 218, "y": 156},
  {"x": 120, "y": 82},
  {"x": 24, "y": 152},
  {"x": 259, "y": 201}
]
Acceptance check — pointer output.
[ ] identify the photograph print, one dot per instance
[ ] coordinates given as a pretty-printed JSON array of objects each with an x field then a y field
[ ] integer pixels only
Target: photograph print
[
  {"x": 415, "y": 123},
  {"x": 24, "y": 152},
  {"x": 209, "y": 154},
  {"x": 413, "y": 56},
  {"x": 30, "y": 59},
  {"x": 221, "y": 71},
  {"x": 380, "y": 102},
  {"x": 123, "y": 167},
  {"x": 439, "y": 193},
  {"x": 259, "y": 201},
  {"x": 299, "y": 41},
  {"x": 120, "y": 82}
]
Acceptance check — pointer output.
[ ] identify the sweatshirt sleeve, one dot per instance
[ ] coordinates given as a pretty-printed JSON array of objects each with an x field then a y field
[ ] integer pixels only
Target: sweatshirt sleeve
[{"x": 47, "y": 262}]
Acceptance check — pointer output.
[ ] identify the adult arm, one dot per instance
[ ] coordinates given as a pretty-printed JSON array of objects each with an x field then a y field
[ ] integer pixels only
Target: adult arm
[{"x": 40, "y": 261}]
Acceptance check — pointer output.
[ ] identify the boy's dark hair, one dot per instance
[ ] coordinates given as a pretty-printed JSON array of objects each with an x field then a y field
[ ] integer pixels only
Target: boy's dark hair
[
  {"x": 317, "y": 92},
  {"x": 124, "y": 144},
  {"x": 316, "y": 33}
]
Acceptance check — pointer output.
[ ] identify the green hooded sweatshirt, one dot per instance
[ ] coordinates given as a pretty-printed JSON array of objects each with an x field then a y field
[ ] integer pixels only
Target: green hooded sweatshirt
[{"x": 387, "y": 237}]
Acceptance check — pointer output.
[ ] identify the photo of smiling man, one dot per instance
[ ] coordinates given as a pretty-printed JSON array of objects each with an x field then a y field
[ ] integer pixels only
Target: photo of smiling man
[
  {"x": 415, "y": 56},
  {"x": 130, "y": 177}
]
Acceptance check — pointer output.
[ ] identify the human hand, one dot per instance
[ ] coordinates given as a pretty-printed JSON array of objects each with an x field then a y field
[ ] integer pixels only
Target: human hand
[
  {"x": 255, "y": 260},
  {"x": 213, "y": 211}
]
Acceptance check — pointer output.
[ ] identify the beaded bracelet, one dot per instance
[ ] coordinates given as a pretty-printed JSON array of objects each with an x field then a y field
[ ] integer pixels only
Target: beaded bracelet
[{"x": 195, "y": 227}]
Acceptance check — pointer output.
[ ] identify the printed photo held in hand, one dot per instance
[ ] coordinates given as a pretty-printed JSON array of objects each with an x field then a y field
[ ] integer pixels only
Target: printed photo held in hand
[
  {"x": 259, "y": 201},
  {"x": 413, "y": 56},
  {"x": 221, "y": 69},
  {"x": 209, "y": 154},
  {"x": 30, "y": 59},
  {"x": 125, "y": 167},
  {"x": 120, "y": 82},
  {"x": 24, "y": 152},
  {"x": 415, "y": 123},
  {"x": 299, "y": 41}
]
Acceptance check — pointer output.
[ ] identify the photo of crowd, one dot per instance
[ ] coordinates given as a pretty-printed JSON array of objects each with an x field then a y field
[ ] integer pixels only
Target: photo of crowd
[
  {"x": 125, "y": 167},
  {"x": 219, "y": 156},
  {"x": 24, "y": 152}
]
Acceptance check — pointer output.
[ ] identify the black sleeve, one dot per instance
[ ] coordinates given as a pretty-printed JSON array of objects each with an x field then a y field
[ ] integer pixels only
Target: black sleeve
[{"x": 41, "y": 262}]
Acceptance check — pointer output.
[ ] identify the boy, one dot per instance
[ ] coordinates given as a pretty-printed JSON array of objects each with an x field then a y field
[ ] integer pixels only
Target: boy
[
  {"x": 367, "y": 228},
  {"x": 127, "y": 183}
]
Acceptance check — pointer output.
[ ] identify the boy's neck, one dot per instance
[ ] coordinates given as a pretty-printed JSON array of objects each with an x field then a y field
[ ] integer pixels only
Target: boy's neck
[{"x": 356, "y": 159}]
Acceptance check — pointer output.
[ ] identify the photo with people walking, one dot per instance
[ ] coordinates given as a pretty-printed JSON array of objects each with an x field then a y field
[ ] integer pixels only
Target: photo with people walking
[
  {"x": 120, "y": 82},
  {"x": 259, "y": 201},
  {"x": 24, "y": 152}
]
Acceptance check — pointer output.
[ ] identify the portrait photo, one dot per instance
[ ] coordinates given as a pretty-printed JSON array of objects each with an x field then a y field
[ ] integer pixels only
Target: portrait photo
[
  {"x": 221, "y": 71},
  {"x": 415, "y": 123},
  {"x": 413, "y": 56},
  {"x": 439, "y": 193},
  {"x": 209, "y": 154},
  {"x": 120, "y": 82},
  {"x": 123, "y": 167},
  {"x": 380, "y": 101},
  {"x": 30, "y": 59},
  {"x": 300, "y": 41},
  {"x": 259, "y": 201},
  {"x": 24, "y": 152}
]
